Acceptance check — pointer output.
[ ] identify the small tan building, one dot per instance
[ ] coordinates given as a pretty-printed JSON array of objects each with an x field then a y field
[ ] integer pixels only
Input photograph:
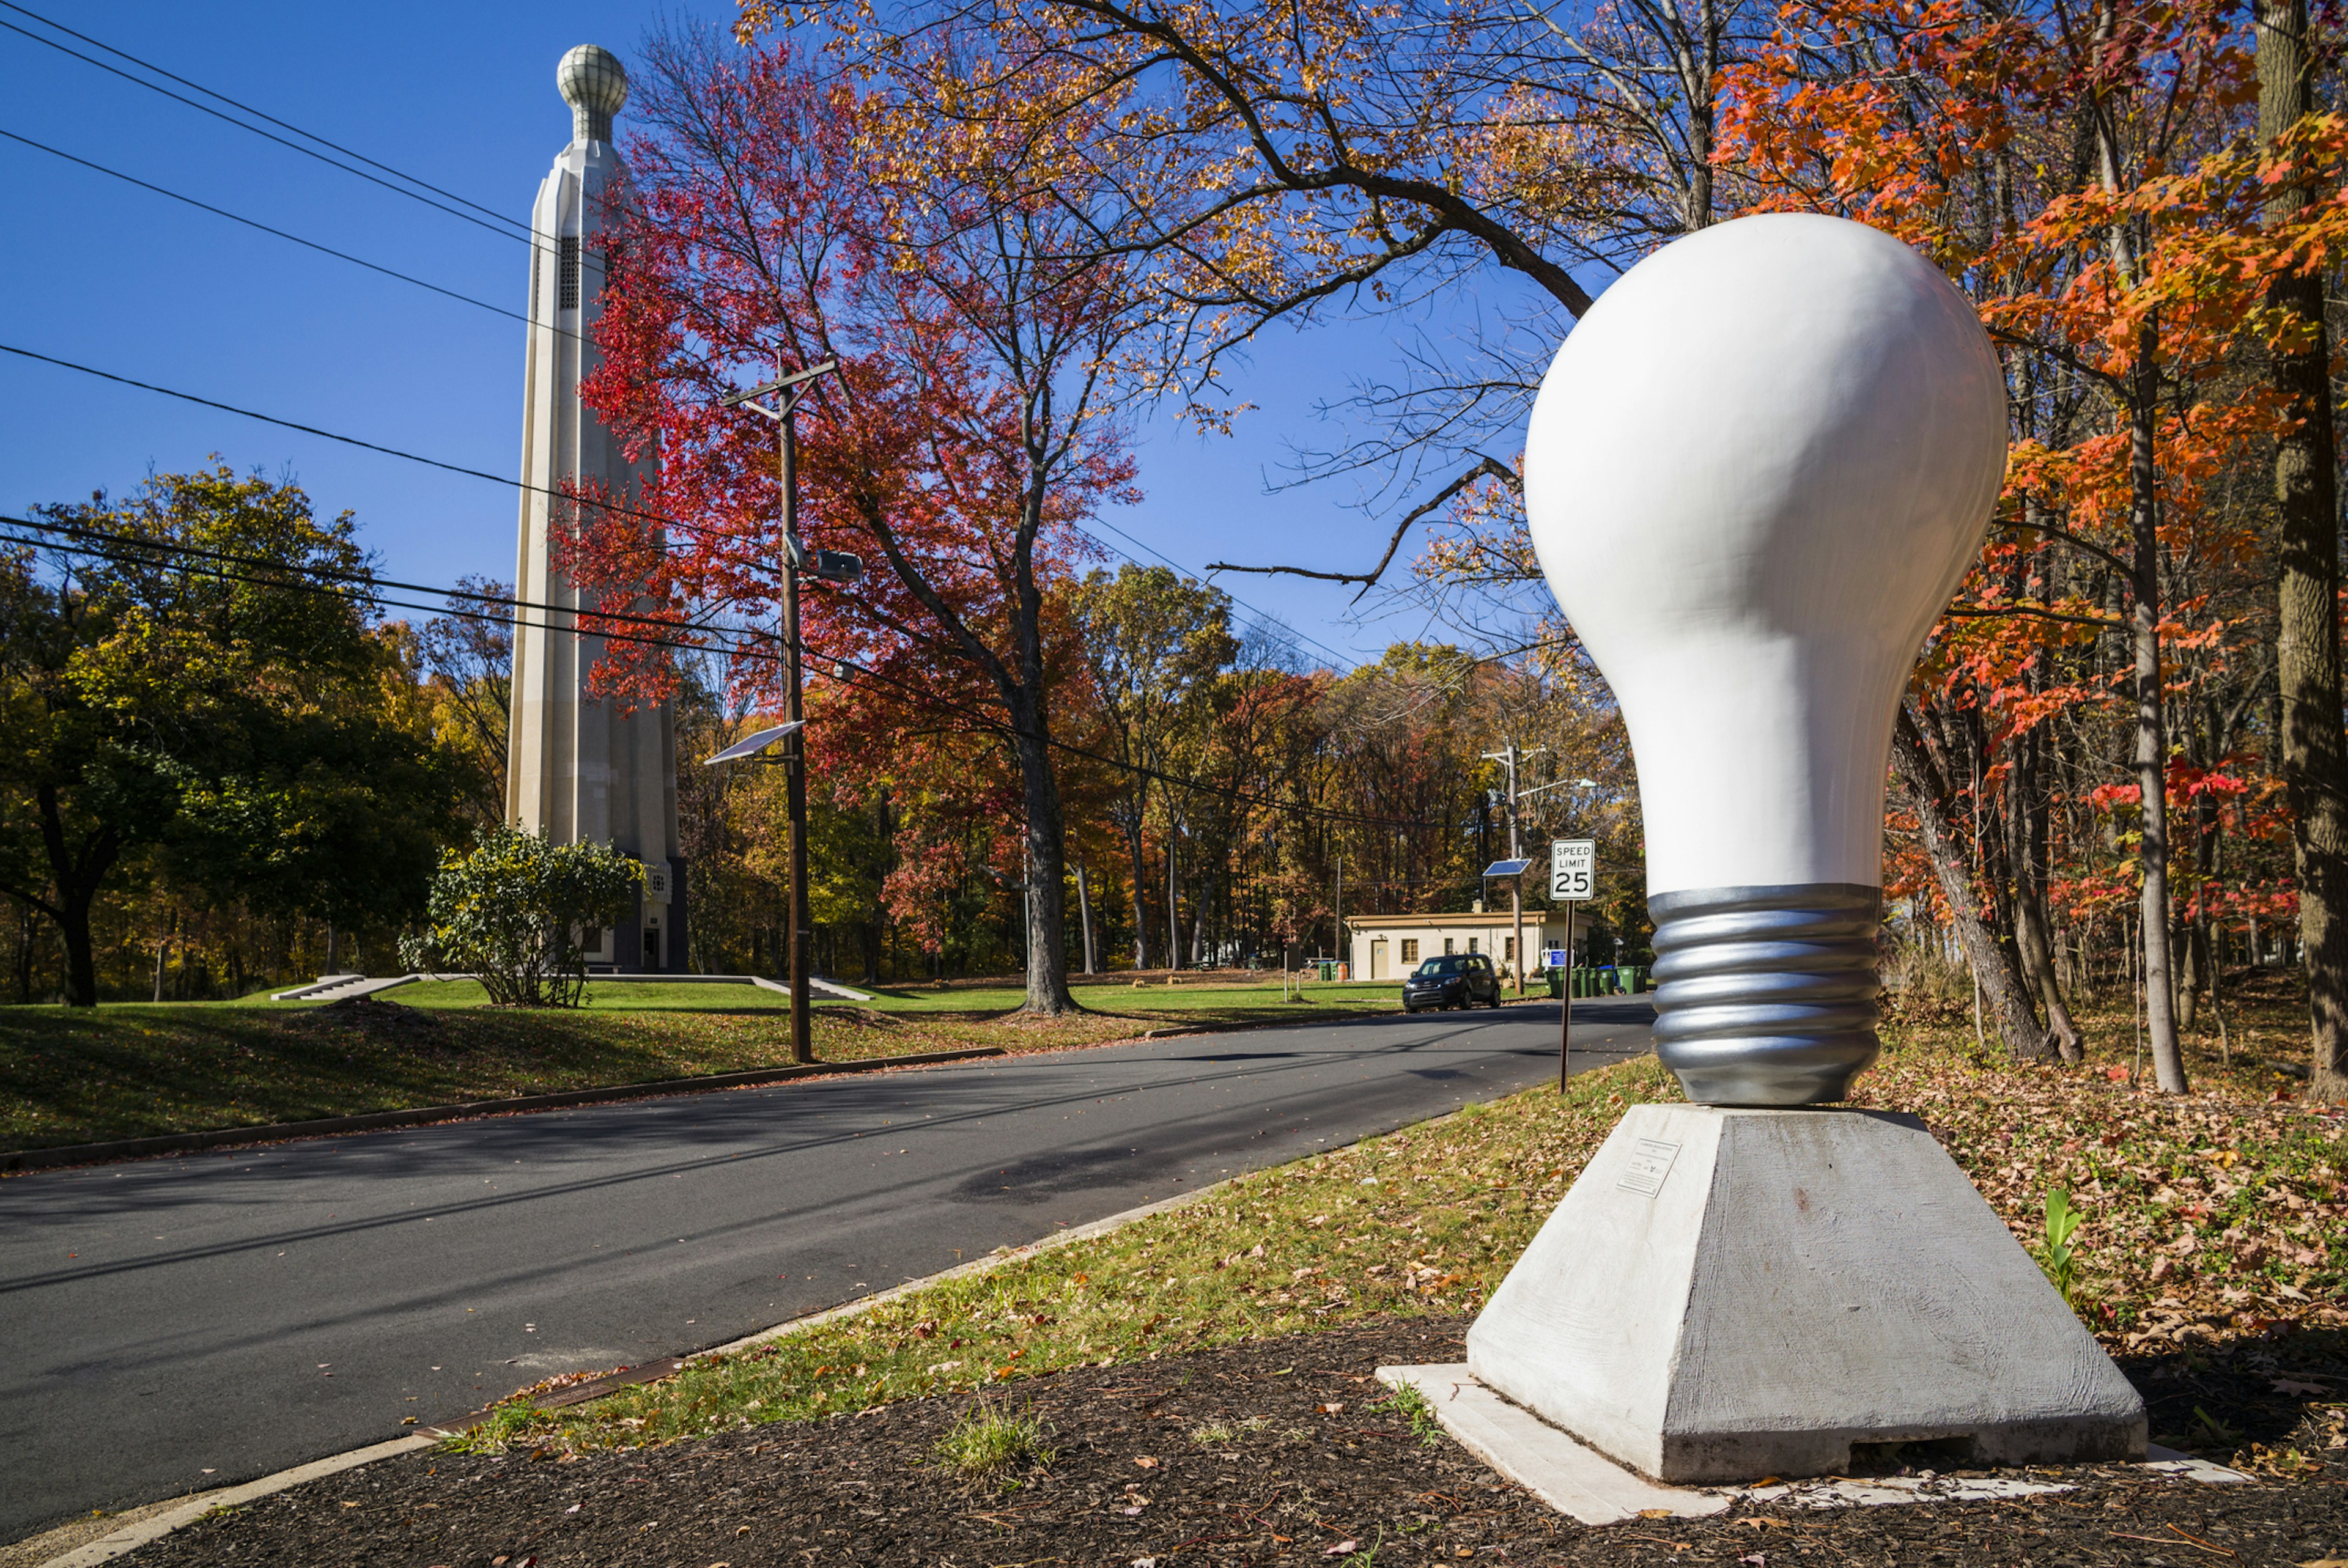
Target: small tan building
[{"x": 1388, "y": 947}]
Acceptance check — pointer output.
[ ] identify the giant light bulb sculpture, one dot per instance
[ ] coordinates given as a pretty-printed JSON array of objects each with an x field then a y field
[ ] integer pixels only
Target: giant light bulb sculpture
[
  {"x": 1755, "y": 475},
  {"x": 1756, "y": 472}
]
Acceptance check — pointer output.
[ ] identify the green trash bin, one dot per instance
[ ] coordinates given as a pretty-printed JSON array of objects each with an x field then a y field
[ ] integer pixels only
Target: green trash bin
[
  {"x": 1634, "y": 980},
  {"x": 1327, "y": 968},
  {"x": 1555, "y": 985}
]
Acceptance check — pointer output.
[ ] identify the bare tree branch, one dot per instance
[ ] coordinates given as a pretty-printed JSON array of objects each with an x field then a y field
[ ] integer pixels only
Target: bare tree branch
[{"x": 1486, "y": 468}]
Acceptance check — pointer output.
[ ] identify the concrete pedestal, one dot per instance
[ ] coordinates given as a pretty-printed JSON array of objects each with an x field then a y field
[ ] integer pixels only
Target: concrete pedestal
[{"x": 1729, "y": 1294}]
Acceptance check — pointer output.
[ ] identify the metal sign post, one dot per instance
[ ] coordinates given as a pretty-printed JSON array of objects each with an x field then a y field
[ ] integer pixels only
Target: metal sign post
[{"x": 1572, "y": 879}]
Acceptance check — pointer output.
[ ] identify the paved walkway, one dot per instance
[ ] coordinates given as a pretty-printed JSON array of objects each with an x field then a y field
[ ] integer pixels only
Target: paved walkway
[{"x": 182, "y": 1323}]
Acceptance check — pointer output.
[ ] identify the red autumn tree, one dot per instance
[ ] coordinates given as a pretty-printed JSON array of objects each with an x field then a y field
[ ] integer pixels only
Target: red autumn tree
[{"x": 972, "y": 423}]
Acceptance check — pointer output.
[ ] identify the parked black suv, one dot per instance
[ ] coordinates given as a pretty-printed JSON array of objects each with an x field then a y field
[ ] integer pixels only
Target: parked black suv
[{"x": 1453, "y": 980}]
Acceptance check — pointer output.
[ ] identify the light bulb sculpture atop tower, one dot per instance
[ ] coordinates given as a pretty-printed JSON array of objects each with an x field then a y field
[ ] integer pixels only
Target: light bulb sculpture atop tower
[
  {"x": 1755, "y": 475},
  {"x": 1756, "y": 470}
]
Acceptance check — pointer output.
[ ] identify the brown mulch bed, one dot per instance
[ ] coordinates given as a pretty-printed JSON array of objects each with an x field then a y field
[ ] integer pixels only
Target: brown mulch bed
[{"x": 1308, "y": 1466}]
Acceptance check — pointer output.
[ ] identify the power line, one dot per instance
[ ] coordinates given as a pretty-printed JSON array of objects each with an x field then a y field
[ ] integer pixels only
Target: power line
[
  {"x": 279, "y": 233},
  {"x": 257, "y": 114},
  {"x": 521, "y": 231},
  {"x": 611, "y": 507},
  {"x": 307, "y": 580},
  {"x": 1343, "y": 660},
  {"x": 509, "y": 229},
  {"x": 102, "y": 539},
  {"x": 1227, "y": 593}
]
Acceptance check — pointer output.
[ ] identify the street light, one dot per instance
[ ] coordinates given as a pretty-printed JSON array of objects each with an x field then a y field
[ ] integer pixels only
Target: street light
[
  {"x": 1510, "y": 755},
  {"x": 750, "y": 746},
  {"x": 825, "y": 566}
]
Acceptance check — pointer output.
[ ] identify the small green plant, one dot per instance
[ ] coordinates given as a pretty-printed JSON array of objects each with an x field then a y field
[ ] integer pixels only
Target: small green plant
[
  {"x": 990, "y": 1440},
  {"x": 1418, "y": 1409},
  {"x": 508, "y": 1424},
  {"x": 2056, "y": 1256},
  {"x": 1222, "y": 1434},
  {"x": 2218, "y": 1429},
  {"x": 1368, "y": 1556}
]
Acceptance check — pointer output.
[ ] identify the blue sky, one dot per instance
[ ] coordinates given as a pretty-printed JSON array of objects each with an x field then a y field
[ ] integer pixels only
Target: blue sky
[{"x": 103, "y": 273}]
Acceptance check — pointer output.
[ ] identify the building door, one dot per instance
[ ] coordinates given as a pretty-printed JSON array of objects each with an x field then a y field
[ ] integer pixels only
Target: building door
[{"x": 1377, "y": 958}]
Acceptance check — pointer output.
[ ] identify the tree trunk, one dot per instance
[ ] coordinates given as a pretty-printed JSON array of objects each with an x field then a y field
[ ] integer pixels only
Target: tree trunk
[
  {"x": 2315, "y": 760},
  {"x": 2027, "y": 860},
  {"x": 1140, "y": 880},
  {"x": 1173, "y": 899},
  {"x": 2003, "y": 990},
  {"x": 76, "y": 878},
  {"x": 2151, "y": 721},
  {"x": 2030, "y": 944},
  {"x": 2200, "y": 973},
  {"x": 1085, "y": 913},
  {"x": 1048, "y": 868}
]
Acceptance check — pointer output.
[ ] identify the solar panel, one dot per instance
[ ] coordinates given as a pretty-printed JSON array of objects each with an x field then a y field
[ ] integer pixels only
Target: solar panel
[
  {"x": 755, "y": 743},
  {"x": 1507, "y": 869}
]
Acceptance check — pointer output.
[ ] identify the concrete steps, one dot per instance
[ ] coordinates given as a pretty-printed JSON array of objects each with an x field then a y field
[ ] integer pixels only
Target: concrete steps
[{"x": 342, "y": 988}]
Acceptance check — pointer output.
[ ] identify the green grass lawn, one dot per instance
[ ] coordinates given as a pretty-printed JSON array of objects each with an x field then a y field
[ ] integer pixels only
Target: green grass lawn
[{"x": 133, "y": 1069}]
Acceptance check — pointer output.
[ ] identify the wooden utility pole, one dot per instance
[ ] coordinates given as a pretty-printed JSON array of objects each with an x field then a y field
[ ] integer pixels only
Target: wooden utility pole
[{"x": 800, "y": 934}]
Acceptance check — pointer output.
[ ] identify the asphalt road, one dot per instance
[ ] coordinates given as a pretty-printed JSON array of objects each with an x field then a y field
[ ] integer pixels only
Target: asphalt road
[{"x": 172, "y": 1324}]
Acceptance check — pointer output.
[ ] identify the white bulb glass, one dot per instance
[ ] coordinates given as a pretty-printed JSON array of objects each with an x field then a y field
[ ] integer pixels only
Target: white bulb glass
[{"x": 1756, "y": 472}]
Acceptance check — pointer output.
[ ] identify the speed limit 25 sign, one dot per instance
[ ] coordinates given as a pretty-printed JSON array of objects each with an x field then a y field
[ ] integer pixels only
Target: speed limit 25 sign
[{"x": 1572, "y": 868}]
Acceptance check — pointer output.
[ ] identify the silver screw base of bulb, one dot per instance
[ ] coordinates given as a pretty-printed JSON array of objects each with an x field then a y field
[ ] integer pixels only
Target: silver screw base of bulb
[{"x": 1765, "y": 996}]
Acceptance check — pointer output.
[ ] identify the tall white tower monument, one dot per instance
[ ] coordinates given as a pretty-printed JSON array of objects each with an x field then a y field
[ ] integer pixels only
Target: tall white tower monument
[{"x": 580, "y": 767}]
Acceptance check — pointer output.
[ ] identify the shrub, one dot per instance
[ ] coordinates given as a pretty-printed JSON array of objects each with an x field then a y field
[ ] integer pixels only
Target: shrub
[{"x": 511, "y": 911}]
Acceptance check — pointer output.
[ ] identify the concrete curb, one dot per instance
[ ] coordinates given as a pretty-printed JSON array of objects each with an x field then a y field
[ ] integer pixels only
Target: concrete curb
[
  {"x": 328, "y": 1126},
  {"x": 132, "y": 1537}
]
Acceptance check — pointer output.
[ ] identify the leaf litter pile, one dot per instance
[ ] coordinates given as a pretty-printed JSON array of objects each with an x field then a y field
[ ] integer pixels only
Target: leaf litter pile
[{"x": 2207, "y": 1258}]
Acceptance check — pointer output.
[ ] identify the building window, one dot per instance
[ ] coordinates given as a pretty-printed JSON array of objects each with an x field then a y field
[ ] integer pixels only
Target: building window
[
  {"x": 566, "y": 296},
  {"x": 1471, "y": 944},
  {"x": 1410, "y": 950},
  {"x": 1447, "y": 946},
  {"x": 1508, "y": 949}
]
